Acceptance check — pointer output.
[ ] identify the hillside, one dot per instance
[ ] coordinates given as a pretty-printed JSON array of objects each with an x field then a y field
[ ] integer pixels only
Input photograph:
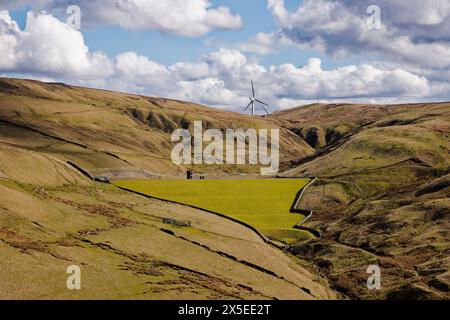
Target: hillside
[
  {"x": 114, "y": 133},
  {"x": 52, "y": 216},
  {"x": 383, "y": 195}
]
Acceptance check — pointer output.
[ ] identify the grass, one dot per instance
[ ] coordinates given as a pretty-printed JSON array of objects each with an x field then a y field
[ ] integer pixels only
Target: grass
[
  {"x": 135, "y": 128},
  {"x": 52, "y": 217},
  {"x": 76, "y": 225},
  {"x": 263, "y": 204}
]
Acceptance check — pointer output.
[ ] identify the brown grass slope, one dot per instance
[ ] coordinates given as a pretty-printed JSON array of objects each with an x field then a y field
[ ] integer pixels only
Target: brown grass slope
[
  {"x": 383, "y": 196},
  {"x": 52, "y": 217},
  {"x": 112, "y": 132}
]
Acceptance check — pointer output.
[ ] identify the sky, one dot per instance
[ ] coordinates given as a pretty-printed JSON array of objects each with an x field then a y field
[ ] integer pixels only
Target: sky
[{"x": 208, "y": 51}]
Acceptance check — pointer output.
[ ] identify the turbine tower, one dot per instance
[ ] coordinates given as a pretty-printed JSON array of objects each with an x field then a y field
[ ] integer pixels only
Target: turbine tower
[{"x": 253, "y": 102}]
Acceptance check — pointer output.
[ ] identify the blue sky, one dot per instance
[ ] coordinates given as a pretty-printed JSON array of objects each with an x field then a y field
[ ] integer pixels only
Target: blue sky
[
  {"x": 298, "y": 49},
  {"x": 169, "y": 49},
  {"x": 256, "y": 18}
]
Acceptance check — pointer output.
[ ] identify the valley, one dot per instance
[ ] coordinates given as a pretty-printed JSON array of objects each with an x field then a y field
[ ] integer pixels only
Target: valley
[{"x": 381, "y": 197}]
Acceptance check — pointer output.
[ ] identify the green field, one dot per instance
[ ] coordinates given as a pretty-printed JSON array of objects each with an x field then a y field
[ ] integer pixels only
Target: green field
[{"x": 263, "y": 204}]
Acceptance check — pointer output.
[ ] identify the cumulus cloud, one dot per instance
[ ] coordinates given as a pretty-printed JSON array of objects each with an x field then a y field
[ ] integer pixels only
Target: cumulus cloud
[
  {"x": 9, "y": 38},
  {"x": 412, "y": 38},
  {"x": 411, "y": 31},
  {"x": 269, "y": 43},
  {"x": 223, "y": 78},
  {"x": 50, "y": 49},
  {"x": 191, "y": 18}
]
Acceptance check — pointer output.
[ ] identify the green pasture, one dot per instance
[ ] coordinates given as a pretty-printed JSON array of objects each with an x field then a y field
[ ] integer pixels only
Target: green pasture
[{"x": 264, "y": 204}]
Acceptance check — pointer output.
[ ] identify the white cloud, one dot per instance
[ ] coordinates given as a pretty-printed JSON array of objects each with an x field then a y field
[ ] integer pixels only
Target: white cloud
[
  {"x": 269, "y": 43},
  {"x": 191, "y": 18},
  {"x": 130, "y": 63},
  {"x": 210, "y": 91},
  {"x": 227, "y": 60},
  {"x": 414, "y": 32},
  {"x": 48, "y": 48},
  {"x": 223, "y": 80},
  {"x": 9, "y": 38},
  {"x": 262, "y": 43},
  {"x": 190, "y": 71}
]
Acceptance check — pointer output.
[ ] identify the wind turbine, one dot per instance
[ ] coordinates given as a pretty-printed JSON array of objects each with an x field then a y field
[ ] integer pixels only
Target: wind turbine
[{"x": 253, "y": 102}]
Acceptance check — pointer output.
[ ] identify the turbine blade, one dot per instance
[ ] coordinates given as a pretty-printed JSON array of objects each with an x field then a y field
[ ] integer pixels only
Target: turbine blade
[
  {"x": 262, "y": 102},
  {"x": 265, "y": 109},
  {"x": 253, "y": 89},
  {"x": 246, "y": 108}
]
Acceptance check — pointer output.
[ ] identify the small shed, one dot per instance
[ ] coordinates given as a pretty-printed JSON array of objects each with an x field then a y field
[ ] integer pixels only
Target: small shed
[{"x": 191, "y": 176}]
